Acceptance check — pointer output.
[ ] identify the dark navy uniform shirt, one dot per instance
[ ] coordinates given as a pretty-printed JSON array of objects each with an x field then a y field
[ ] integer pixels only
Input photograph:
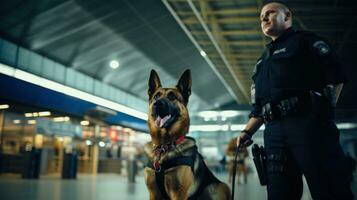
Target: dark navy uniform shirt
[{"x": 292, "y": 65}]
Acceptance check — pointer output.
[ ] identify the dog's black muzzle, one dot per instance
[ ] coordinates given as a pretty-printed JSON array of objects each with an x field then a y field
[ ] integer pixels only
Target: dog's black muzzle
[{"x": 163, "y": 107}]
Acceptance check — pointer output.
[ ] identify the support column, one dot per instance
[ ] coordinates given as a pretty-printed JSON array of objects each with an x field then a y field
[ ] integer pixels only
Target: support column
[
  {"x": 95, "y": 151},
  {"x": 2, "y": 125},
  {"x": 95, "y": 159}
]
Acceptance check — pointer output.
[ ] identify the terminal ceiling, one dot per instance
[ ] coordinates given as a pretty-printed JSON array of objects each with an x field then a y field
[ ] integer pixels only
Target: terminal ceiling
[{"x": 168, "y": 36}]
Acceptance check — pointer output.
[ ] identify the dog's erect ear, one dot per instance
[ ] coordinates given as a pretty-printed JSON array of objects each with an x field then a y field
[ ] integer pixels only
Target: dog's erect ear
[
  {"x": 184, "y": 84},
  {"x": 154, "y": 83}
]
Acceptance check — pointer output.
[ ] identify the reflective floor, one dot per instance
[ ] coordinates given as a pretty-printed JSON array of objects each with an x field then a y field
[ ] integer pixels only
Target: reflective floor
[{"x": 103, "y": 187}]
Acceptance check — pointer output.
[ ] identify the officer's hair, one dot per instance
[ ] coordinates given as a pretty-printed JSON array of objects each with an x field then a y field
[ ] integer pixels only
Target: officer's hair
[{"x": 284, "y": 5}]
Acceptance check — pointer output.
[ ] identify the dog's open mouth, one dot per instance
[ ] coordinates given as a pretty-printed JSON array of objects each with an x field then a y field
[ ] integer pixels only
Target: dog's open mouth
[
  {"x": 164, "y": 113},
  {"x": 161, "y": 122}
]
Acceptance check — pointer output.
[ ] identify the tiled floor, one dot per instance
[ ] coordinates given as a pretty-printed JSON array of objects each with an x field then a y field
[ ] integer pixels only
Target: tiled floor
[
  {"x": 102, "y": 187},
  {"x": 86, "y": 187}
]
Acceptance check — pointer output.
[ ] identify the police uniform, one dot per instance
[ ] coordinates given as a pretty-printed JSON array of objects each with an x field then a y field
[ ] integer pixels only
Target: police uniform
[{"x": 289, "y": 93}]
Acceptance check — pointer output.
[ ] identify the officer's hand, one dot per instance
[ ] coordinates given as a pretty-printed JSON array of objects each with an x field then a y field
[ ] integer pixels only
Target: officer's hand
[{"x": 244, "y": 139}]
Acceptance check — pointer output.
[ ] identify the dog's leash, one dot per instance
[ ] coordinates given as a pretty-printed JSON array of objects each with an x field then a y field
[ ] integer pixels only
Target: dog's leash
[{"x": 235, "y": 169}]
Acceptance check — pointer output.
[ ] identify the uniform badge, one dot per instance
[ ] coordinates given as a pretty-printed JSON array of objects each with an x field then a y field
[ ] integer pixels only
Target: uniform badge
[{"x": 322, "y": 47}]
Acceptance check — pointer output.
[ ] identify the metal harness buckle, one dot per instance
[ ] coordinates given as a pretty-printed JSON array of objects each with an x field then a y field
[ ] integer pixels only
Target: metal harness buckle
[{"x": 157, "y": 166}]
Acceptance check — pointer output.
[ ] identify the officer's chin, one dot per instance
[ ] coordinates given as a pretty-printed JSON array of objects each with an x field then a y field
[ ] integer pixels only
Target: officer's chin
[
  {"x": 271, "y": 33},
  {"x": 267, "y": 30},
  {"x": 267, "y": 33}
]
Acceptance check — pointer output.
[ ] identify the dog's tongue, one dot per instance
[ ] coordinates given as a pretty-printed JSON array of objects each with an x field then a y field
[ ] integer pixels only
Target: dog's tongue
[{"x": 159, "y": 122}]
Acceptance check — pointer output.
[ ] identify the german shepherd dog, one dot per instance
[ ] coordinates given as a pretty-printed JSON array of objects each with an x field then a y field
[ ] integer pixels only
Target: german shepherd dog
[{"x": 176, "y": 170}]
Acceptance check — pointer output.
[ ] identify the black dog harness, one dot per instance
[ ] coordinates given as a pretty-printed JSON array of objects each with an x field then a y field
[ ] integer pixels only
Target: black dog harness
[{"x": 173, "y": 162}]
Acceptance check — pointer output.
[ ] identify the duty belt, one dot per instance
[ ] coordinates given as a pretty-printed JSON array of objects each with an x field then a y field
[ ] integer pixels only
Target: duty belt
[{"x": 286, "y": 107}]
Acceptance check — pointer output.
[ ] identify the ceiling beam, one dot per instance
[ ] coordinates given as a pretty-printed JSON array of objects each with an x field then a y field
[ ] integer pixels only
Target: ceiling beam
[
  {"x": 236, "y": 43},
  {"x": 233, "y": 33},
  {"x": 242, "y": 32},
  {"x": 227, "y": 20},
  {"x": 216, "y": 68},
  {"x": 220, "y": 1},
  {"x": 239, "y": 56},
  {"x": 219, "y": 41},
  {"x": 238, "y": 11}
]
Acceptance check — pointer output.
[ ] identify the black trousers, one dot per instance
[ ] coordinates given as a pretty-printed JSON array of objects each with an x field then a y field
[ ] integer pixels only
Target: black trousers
[{"x": 306, "y": 145}]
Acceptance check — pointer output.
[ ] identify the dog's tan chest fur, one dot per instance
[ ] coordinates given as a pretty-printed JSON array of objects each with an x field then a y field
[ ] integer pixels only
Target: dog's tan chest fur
[{"x": 183, "y": 149}]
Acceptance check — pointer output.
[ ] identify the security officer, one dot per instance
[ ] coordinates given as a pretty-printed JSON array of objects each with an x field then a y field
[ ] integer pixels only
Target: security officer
[{"x": 297, "y": 82}]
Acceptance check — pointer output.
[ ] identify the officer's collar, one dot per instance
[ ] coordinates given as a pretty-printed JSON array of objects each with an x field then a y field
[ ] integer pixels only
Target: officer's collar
[{"x": 288, "y": 32}]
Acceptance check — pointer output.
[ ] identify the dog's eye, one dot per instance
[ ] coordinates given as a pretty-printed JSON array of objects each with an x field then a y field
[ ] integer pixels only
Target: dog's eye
[
  {"x": 171, "y": 96},
  {"x": 157, "y": 96}
]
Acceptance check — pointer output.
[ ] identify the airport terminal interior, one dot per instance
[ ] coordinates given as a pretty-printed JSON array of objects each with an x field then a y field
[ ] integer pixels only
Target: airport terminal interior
[{"x": 74, "y": 89}]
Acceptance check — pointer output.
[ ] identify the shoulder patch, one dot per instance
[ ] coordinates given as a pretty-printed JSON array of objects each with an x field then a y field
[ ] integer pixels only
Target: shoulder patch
[{"x": 321, "y": 47}]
